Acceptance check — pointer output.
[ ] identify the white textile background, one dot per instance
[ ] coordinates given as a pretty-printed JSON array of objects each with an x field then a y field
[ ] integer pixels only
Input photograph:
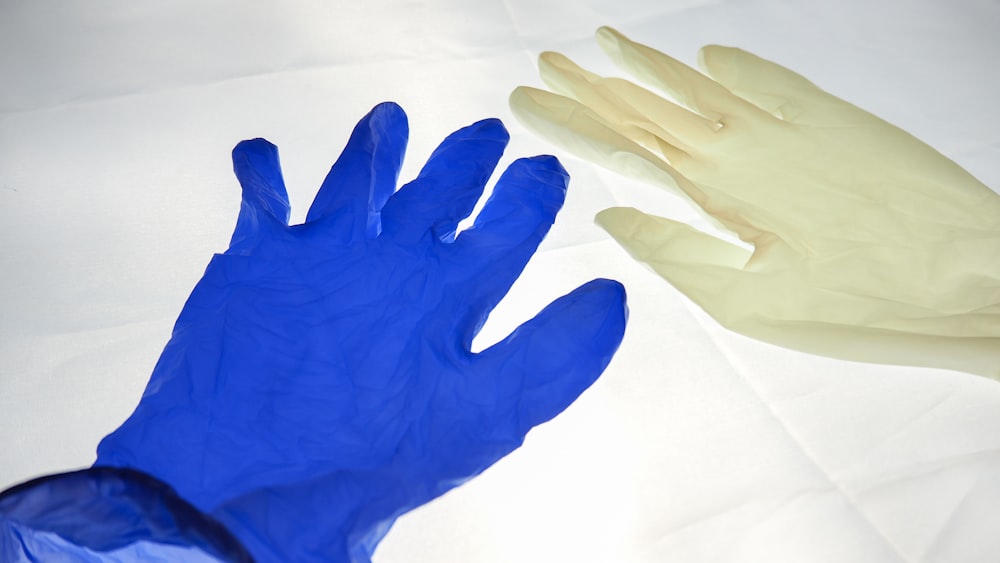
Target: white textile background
[{"x": 697, "y": 445}]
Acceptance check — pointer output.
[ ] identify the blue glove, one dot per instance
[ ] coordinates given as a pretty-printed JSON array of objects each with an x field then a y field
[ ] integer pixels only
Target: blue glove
[{"x": 319, "y": 381}]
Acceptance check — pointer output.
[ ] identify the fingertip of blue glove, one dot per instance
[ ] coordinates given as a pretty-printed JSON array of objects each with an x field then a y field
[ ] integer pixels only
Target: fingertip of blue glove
[
  {"x": 254, "y": 154},
  {"x": 545, "y": 178},
  {"x": 479, "y": 146},
  {"x": 616, "y": 299},
  {"x": 543, "y": 168},
  {"x": 388, "y": 110},
  {"x": 609, "y": 296},
  {"x": 256, "y": 164},
  {"x": 612, "y": 288},
  {"x": 388, "y": 116},
  {"x": 491, "y": 128},
  {"x": 474, "y": 149},
  {"x": 256, "y": 144}
]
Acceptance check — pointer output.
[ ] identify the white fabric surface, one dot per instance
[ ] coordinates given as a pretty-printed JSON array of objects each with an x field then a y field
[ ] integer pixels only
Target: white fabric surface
[{"x": 697, "y": 445}]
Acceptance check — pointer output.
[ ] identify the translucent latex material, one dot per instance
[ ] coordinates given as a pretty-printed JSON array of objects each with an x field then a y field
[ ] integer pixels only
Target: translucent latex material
[
  {"x": 319, "y": 381},
  {"x": 867, "y": 244}
]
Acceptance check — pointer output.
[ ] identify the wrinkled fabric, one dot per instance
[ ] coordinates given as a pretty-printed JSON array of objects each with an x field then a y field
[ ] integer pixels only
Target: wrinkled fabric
[
  {"x": 320, "y": 382},
  {"x": 109, "y": 515},
  {"x": 866, "y": 244}
]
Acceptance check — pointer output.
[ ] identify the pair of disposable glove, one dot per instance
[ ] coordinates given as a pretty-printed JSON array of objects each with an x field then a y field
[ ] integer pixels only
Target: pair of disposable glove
[
  {"x": 331, "y": 360},
  {"x": 319, "y": 381},
  {"x": 864, "y": 242}
]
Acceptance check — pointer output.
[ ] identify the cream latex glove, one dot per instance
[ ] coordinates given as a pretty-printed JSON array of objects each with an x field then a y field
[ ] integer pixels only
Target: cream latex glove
[{"x": 867, "y": 243}]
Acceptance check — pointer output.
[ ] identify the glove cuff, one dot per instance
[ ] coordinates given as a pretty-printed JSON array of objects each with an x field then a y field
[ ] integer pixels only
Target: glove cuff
[{"x": 108, "y": 511}]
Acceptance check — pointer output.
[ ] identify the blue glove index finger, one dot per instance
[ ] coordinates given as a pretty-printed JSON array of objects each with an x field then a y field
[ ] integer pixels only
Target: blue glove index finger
[
  {"x": 265, "y": 199},
  {"x": 365, "y": 174},
  {"x": 448, "y": 186}
]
